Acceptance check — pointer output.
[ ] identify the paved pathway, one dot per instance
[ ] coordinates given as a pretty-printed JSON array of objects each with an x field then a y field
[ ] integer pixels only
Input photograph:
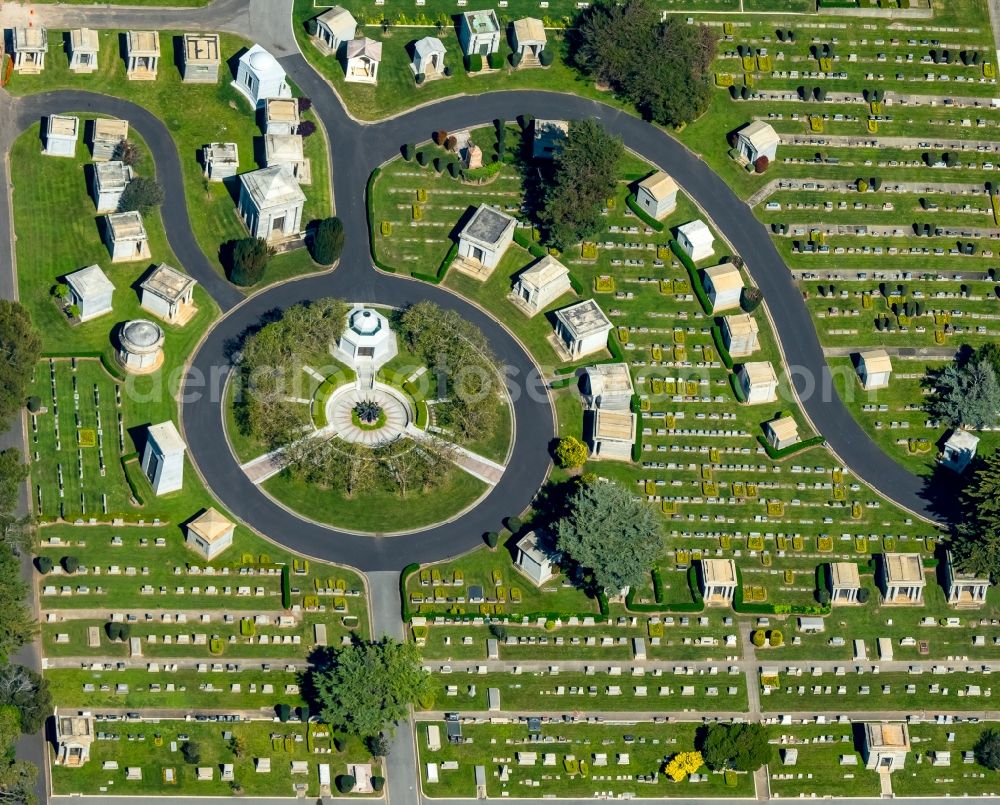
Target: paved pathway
[{"x": 220, "y": 15}]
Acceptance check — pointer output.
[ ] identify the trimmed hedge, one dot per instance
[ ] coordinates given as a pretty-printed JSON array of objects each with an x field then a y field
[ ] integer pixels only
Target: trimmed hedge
[
  {"x": 720, "y": 346},
  {"x": 774, "y": 455},
  {"x": 286, "y": 587},
  {"x": 636, "y": 406},
  {"x": 575, "y": 284},
  {"x": 449, "y": 258},
  {"x": 371, "y": 222},
  {"x": 132, "y": 482},
  {"x": 562, "y": 382},
  {"x": 641, "y": 214},
  {"x": 534, "y": 249},
  {"x": 697, "y": 603},
  {"x": 692, "y": 271},
  {"x": 734, "y": 384}
]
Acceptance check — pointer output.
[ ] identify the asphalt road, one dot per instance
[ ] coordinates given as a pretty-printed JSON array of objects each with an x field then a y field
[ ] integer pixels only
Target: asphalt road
[{"x": 356, "y": 150}]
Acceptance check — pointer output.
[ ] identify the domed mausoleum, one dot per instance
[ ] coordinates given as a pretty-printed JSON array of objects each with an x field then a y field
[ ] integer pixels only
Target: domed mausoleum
[
  {"x": 140, "y": 346},
  {"x": 367, "y": 339}
]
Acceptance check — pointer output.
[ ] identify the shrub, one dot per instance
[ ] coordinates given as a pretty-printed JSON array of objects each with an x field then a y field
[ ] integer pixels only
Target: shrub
[
  {"x": 419, "y": 78},
  {"x": 453, "y": 169},
  {"x": 438, "y": 164},
  {"x": 307, "y": 128},
  {"x": 571, "y": 452},
  {"x": 513, "y": 524},
  {"x": 128, "y": 152},
  {"x": 141, "y": 195},
  {"x": 286, "y": 587},
  {"x": 60, "y": 290},
  {"x": 447, "y": 74},
  {"x": 305, "y": 104},
  {"x": 775, "y": 638},
  {"x": 378, "y": 783},
  {"x": 44, "y": 564},
  {"x": 863, "y": 595},
  {"x": 758, "y": 638},
  {"x": 191, "y": 751},
  {"x": 495, "y": 61},
  {"x": 515, "y": 58},
  {"x": 304, "y": 712},
  {"x": 474, "y": 63},
  {"x": 328, "y": 241},
  {"x": 492, "y": 538},
  {"x": 247, "y": 259},
  {"x": 284, "y": 712},
  {"x": 377, "y": 745},
  {"x": 750, "y": 299},
  {"x": 339, "y": 743},
  {"x": 34, "y": 404},
  {"x": 451, "y": 143},
  {"x": 70, "y": 564},
  {"x": 545, "y": 57},
  {"x": 112, "y": 631},
  {"x": 761, "y": 163},
  {"x": 823, "y": 597},
  {"x": 345, "y": 783},
  {"x": 408, "y": 150},
  {"x": 422, "y": 158},
  {"x": 440, "y": 137},
  {"x": 550, "y": 625}
]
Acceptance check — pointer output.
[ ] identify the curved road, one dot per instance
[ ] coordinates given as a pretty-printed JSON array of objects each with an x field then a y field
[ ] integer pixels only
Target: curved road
[{"x": 357, "y": 149}]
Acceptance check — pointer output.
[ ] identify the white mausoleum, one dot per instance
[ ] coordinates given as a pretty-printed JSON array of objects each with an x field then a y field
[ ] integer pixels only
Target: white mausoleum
[
  {"x": 582, "y": 329},
  {"x": 528, "y": 38},
  {"x": 142, "y": 55},
  {"x": 163, "y": 458},
  {"x": 723, "y": 286},
  {"x": 656, "y": 195},
  {"x": 539, "y": 285},
  {"x": 901, "y": 577},
  {"x": 757, "y": 139},
  {"x": 611, "y": 434},
  {"x": 84, "y": 45},
  {"x": 259, "y": 76},
  {"x": 740, "y": 334},
  {"x": 964, "y": 589},
  {"x": 271, "y": 203},
  {"x": 362, "y": 58},
  {"x": 287, "y": 149},
  {"x": 959, "y": 449},
  {"x": 367, "y": 340},
  {"x": 281, "y": 116},
  {"x": 333, "y": 29},
  {"x": 874, "y": 369},
  {"x": 74, "y": 736},
  {"x": 718, "y": 581},
  {"x": 209, "y": 534},
  {"x": 30, "y": 47},
  {"x": 61, "y": 135},
  {"x": 782, "y": 432},
  {"x": 428, "y": 57},
  {"x": 844, "y": 581},
  {"x": 486, "y": 236},
  {"x": 479, "y": 32},
  {"x": 201, "y": 58},
  {"x": 885, "y": 745},
  {"x": 168, "y": 294},
  {"x": 109, "y": 182},
  {"x": 140, "y": 346},
  {"x": 696, "y": 240},
  {"x": 107, "y": 133},
  {"x": 608, "y": 386},
  {"x": 533, "y": 561},
  {"x": 221, "y": 161},
  {"x": 125, "y": 236},
  {"x": 758, "y": 381},
  {"x": 91, "y": 291}
]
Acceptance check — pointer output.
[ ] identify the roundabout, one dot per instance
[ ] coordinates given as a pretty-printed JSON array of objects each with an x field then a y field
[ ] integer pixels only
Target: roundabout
[
  {"x": 348, "y": 421},
  {"x": 360, "y": 150}
]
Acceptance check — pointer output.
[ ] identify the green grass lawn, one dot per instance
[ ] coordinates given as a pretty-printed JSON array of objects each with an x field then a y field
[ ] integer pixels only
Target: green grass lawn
[
  {"x": 818, "y": 770},
  {"x": 630, "y": 750},
  {"x": 94, "y": 547},
  {"x": 155, "y": 747},
  {"x": 195, "y": 114},
  {"x": 921, "y": 778},
  {"x": 378, "y": 511}
]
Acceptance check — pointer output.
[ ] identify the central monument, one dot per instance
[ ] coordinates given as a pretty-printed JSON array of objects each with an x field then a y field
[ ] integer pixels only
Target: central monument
[{"x": 368, "y": 340}]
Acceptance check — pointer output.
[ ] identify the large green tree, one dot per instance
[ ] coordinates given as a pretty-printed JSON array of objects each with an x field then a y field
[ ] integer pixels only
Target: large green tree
[
  {"x": 965, "y": 394},
  {"x": 15, "y": 530},
  {"x": 365, "y": 687},
  {"x": 987, "y": 749},
  {"x": 28, "y": 692},
  {"x": 20, "y": 348},
  {"x": 975, "y": 541},
  {"x": 663, "y": 67},
  {"x": 585, "y": 174},
  {"x": 743, "y": 747},
  {"x": 610, "y": 533}
]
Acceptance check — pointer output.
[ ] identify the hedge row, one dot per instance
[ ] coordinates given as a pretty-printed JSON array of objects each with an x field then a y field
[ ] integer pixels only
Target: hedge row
[
  {"x": 643, "y": 216},
  {"x": 692, "y": 271},
  {"x": 614, "y": 347},
  {"x": 286, "y": 587},
  {"x": 637, "y": 444},
  {"x": 720, "y": 346},
  {"x": 763, "y": 608},
  {"x": 575, "y": 284},
  {"x": 734, "y": 384},
  {"x": 371, "y": 222},
  {"x": 449, "y": 258},
  {"x": 133, "y": 484},
  {"x": 534, "y": 249},
  {"x": 697, "y": 603}
]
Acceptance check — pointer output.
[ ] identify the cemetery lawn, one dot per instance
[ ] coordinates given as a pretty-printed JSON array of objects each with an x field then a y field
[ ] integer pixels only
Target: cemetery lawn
[
  {"x": 958, "y": 778},
  {"x": 899, "y": 398},
  {"x": 378, "y": 511},
  {"x": 93, "y": 547},
  {"x": 397, "y": 91},
  {"x": 818, "y": 770},
  {"x": 649, "y": 746},
  {"x": 207, "y": 113},
  {"x": 148, "y": 746}
]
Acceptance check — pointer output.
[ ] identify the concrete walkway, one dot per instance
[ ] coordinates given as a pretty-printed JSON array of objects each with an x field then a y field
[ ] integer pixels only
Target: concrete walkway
[{"x": 222, "y": 15}]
